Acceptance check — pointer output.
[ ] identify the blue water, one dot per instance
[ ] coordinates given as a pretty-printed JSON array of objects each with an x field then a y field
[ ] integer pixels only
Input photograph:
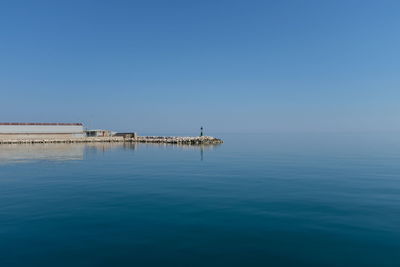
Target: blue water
[{"x": 256, "y": 200}]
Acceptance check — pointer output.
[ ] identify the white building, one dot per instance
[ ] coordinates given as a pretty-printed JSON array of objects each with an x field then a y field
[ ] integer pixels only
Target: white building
[{"x": 11, "y": 131}]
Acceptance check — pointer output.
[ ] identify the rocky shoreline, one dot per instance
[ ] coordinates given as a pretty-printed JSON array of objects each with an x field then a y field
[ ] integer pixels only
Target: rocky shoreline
[
  {"x": 179, "y": 140},
  {"x": 188, "y": 140}
]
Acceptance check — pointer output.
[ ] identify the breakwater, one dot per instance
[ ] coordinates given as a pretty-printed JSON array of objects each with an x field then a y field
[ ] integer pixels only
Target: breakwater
[
  {"x": 178, "y": 140},
  {"x": 139, "y": 139}
]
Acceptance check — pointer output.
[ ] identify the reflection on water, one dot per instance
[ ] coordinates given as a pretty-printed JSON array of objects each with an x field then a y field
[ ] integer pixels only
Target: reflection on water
[
  {"x": 19, "y": 153},
  {"x": 256, "y": 200},
  {"x": 26, "y": 152}
]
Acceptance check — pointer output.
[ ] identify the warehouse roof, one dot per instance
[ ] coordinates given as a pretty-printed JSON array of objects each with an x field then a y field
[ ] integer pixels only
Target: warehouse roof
[{"x": 37, "y": 123}]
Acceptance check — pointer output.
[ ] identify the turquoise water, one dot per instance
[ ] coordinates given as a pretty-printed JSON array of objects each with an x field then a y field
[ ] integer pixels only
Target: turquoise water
[{"x": 256, "y": 200}]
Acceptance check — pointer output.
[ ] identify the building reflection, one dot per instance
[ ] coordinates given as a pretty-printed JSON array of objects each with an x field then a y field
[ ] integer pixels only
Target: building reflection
[
  {"x": 15, "y": 153},
  {"x": 33, "y": 152},
  {"x": 95, "y": 148}
]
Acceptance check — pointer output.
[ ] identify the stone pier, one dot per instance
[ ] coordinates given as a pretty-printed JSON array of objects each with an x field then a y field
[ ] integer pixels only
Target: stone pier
[{"x": 139, "y": 139}]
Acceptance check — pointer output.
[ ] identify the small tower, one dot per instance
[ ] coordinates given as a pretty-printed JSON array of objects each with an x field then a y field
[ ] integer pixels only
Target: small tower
[{"x": 201, "y": 131}]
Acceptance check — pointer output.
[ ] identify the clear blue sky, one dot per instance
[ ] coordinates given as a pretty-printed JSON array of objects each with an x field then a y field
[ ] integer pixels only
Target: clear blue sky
[{"x": 231, "y": 66}]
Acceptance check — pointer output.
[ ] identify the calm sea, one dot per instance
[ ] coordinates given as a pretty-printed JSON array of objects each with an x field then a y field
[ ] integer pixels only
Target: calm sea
[{"x": 256, "y": 200}]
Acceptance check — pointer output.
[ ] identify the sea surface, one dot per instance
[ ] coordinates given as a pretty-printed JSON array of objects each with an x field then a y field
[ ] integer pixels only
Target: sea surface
[{"x": 256, "y": 200}]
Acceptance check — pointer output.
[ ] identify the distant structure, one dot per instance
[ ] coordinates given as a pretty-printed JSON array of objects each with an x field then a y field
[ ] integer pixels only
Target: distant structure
[
  {"x": 27, "y": 131},
  {"x": 127, "y": 135},
  {"x": 54, "y": 131},
  {"x": 41, "y": 133},
  {"x": 98, "y": 133}
]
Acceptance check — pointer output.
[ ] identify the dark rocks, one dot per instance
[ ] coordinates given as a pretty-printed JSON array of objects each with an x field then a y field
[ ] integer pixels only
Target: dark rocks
[
  {"x": 203, "y": 140},
  {"x": 178, "y": 140}
]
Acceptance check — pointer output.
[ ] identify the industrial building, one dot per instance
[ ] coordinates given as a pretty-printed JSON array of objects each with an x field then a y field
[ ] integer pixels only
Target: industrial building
[{"x": 12, "y": 131}]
